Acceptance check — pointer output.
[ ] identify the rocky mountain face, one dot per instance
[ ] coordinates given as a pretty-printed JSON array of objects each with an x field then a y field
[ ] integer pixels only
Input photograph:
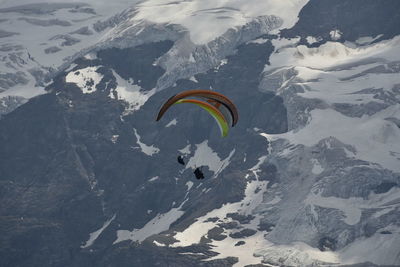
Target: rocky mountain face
[{"x": 308, "y": 177}]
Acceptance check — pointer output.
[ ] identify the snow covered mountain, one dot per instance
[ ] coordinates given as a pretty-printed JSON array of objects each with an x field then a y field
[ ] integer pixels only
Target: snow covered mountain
[{"x": 310, "y": 175}]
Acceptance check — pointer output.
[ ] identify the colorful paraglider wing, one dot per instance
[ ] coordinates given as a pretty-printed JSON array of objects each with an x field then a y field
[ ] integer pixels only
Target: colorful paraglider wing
[
  {"x": 218, "y": 116},
  {"x": 221, "y": 102},
  {"x": 223, "y": 109}
]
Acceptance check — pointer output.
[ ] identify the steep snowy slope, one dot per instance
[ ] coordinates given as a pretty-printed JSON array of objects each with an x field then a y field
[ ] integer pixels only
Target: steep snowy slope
[
  {"x": 342, "y": 150},
  {"x": 38, "y": 38},
  {"x": 65, "y": 29},
  {"x": 308, "y": 177}
]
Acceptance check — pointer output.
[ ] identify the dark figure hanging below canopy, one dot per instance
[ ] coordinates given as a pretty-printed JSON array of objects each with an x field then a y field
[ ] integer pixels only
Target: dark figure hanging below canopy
[
  {"x": 180, "y": 160},
  {"x": 198, "y": 173}
]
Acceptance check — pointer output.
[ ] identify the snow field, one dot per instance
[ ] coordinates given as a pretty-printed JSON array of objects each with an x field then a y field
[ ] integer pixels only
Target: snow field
[
  {"x": 208, "y": 19},
  {"x": 130, "y": 93},
  {"x": 253, "y": 197},
  {"x": 205, "y": 156},
  {"x": 86, "y": 79},
  {"x": 146, "y": 149},
  {"x": 93, "y": 236},
  {"x": 321, "y": 74},
  {"x": 374, "y": 138},
  {"x": 158, "y": 224}
]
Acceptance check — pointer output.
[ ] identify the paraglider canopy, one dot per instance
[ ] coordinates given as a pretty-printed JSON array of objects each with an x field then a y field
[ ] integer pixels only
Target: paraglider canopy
[{"x": 216, "y": 104}]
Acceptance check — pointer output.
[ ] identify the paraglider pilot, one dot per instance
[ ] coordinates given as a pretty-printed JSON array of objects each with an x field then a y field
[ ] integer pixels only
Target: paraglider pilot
[{"x": 180, "y": 160}]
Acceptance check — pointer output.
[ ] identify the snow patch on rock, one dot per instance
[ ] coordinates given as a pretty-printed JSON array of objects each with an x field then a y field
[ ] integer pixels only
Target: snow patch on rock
[
  {"x": 130, "y": 93},
  {"x": 205, "y": 156},
  {"x": 146, "y": 149},
  {"x": 86, "y": 79},
  {"x": 160, "y": 223},
  {"x": 172, "y": 123},
  {"x": 93, "y": 236},
  {"x": 373, "y": 138},
  {"x": 253, "y": 197}
]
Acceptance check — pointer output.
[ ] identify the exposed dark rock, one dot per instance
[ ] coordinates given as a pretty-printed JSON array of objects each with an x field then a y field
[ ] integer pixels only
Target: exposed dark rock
[
  {"x": 354, "y": 19},
  {"x": 86, "y": 10},
  {"x": 384, "y": 187},
  {"x": 243, "y": 233},
  {"x": 10, "y": 47},
  {"x": 352, "y": 110},
  {"x": 197, "y": 249},
  {"x": 268, "y": 173},
  {"x": 40, "y": 8},
  {"x": 4, "y": 34},
  {"x": 156, "y": 256},
  {"x": 229, "y": 225},
  {"x": 216, "y": 234},
  {"x": 370, "y": 228},
  {"x": 326, "y": 244},
  {"x": 68, "y": 39},
  {"x": 47, "y": 23},
  {"x": 243, "y": 219},
  {"x": 212, "y": 219},
  {"x": 394, "y": 120},
  {"x": 266, "y": 226},
  {"x": 46, "y": 189},
  {"x": 128, "y": 66},
  {"x": 83, "y": 31},
  {"x": 8, "y": 80},
  {"x": 240, "y": 243}
]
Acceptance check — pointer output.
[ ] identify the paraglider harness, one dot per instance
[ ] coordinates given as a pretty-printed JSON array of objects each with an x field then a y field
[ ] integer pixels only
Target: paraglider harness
[
  {"x": 198, "y": 173},
  {"x": 180, "y": 160}
]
